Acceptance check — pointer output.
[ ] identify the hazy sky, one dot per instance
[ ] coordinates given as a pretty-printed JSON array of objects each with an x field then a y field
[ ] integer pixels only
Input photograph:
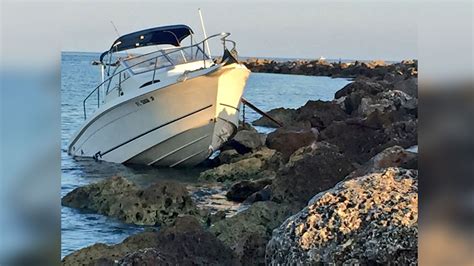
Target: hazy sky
[{"x": 352, "y": 29}]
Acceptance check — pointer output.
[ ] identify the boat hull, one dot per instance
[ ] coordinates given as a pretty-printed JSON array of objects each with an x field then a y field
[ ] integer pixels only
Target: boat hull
[{"x": 180, "y": 124}]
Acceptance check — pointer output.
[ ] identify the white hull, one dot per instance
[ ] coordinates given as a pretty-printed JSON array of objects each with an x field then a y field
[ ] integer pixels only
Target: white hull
[{"x": 175, "y": 124}]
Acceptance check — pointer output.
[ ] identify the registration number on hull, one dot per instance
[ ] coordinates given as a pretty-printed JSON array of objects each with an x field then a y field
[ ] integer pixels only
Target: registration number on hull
[{"x": 145, "y": 101}]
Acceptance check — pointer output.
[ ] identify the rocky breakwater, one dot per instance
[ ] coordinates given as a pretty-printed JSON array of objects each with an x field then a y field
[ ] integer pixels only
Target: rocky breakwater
[
  {"x": 373, "y": 69},
  {"x": 365, "y": 117},
  {"x": 346, "y": 157}
]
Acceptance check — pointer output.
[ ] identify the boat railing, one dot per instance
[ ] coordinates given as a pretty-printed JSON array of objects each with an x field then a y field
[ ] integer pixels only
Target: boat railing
[{"x": 151, "y": 60}]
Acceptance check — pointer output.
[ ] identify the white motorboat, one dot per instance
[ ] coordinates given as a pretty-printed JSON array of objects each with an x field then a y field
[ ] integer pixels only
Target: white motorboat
[{"x": 173, "y": 106}]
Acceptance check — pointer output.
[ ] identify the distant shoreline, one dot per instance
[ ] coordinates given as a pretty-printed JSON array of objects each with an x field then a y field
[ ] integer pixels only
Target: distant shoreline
[{"x": 278, "y": 59}]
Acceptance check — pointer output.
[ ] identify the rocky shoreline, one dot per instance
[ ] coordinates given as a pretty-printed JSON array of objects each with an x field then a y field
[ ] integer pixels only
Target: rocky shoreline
[
  {"x": 378, "y": 69},
  {"x": 336, "y": 184}
]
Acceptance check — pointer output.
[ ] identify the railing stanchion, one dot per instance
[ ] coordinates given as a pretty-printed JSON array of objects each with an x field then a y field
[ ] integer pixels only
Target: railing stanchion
[{"x": 154, "y": 71}]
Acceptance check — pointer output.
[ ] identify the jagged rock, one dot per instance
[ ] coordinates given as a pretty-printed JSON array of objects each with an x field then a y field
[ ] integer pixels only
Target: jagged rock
[
  {"x": 183, "y": 243},
  {"x": 409, "y": 86},
  {"x": 310, "y": 170},
  {"x": 286, "y": 116},
  {"x": 394, "y": 156},
  {"x": 160, "y": 203},
  {"x": 372, "y": 219},
  {"x": 403, "y": 133},
  {"x": 288, "y": 141},
  {"x": 245, "y": 141},
  {"x": 249, "y": 166},
  {"x": 248, "y": 232},
  {"x": 356, "y": 141},
  {"x": 388, "y": 102},
  {"x": 241, "y": 190},
  {"x": 364, "y": 86},
  {"x": 320, "y": 113},
  {"x": 262, "y": 195}
]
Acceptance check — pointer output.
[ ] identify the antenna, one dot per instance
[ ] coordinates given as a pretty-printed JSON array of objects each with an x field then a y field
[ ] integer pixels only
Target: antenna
[
  {"x": 204, "y": 31},
  {"x": 115, "y": 28}
]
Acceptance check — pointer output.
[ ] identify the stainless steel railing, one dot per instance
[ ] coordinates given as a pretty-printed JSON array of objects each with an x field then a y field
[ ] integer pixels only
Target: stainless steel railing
[{"x": 161, "y": 54}]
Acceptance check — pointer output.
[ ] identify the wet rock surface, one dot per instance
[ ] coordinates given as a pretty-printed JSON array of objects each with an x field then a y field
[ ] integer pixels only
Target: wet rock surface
[
  {"x": 367, "y": 220},
  {"x": 241, "y": 190},
  {"x": 118, "y": 197}
]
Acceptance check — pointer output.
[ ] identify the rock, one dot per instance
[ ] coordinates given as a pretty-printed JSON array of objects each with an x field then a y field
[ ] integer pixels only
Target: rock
[
  {"x": 228, "y": 156},
  {"x": 241, "y": 170},
  {"x": 361, "y": 90},
  {"x": 402, "y": 133},
  {"x": 218, "y": 216},
  {"x": 189, "y": 244},
  {"x": 183, "y": 243},
  {"x": 388, "y": 102},
  {"x": 102, "y": 254},
  {"x": 310, "y": 170},
  {"x": 249, "y": 166},
  {"x": 356, "y": 141},
  {"x": 160, "y": 203},
  {"x": 243, "y": 189},
  {"x": 262, "y": 195},
  {"x": 409, "y": 86},
  {"x": 376, "y": 70},
  {"x": 245, "y": 141},
  {"x": 288, "y": 141},
  {"x": 394, "y": 156},
  {"x": 248, "y": 232},
  {"x": 145, "y": 257},
  {"x": 286, "y": 116},
  {"x": 369, "y": 220},
  {"x": 320, "y": 113},
  {"x": 365, "y": 86}
]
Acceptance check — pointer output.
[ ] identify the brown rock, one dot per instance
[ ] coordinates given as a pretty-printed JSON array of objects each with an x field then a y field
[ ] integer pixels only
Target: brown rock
[
  {"x": 183, "y": 243},
  {"x": 249, "y": 166},
  {"x": 320, "y": 114},
  {"x": 394, "y": 156},
  {"x": 369, "y": 220},
  {"x": 248, "y": 232},
  {"x": 240, "y": 191},
  {"x": 310, "y": 170},
  {"x": 288, "y": 141},
  {"x": 286, "y": 116}
]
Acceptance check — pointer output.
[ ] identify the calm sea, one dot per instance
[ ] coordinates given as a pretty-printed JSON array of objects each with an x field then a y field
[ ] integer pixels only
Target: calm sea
[{"x": 79, "y": 77}]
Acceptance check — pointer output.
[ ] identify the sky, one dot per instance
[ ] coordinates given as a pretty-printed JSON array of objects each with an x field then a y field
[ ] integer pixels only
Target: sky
[{"x": 284, "y": 29}]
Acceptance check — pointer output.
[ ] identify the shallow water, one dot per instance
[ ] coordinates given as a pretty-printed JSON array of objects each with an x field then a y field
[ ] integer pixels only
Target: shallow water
[{"x": 79, "y": 77}]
